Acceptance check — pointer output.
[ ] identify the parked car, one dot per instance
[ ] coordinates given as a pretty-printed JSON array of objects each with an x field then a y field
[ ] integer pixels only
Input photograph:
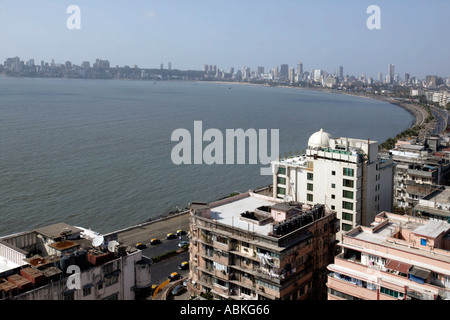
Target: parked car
[
  {"x": 178, "y": 290},
  {"x": 183, "y": 243},
  {"x": 140, "y": 246},
  {"x": 171, "y": 236},
  {"x": 184, "y": 265},
  {"x": 154, "y": 241},
  {"x": 180, "y": 233},
  {"x": 174, "y": 276}
]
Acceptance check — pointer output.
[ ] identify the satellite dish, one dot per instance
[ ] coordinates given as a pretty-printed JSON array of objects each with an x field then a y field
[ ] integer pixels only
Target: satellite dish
[
  {"x": 112, "y": 246},
  {"x": 98, "y": 240}
]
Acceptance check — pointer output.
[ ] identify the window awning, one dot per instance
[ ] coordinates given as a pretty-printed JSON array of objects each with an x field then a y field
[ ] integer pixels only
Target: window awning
[
  {"x": 398, "y": 266},
  {"x": 416, "y": 273}
]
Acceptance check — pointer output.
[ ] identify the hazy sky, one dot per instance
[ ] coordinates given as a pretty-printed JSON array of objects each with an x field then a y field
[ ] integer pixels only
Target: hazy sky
[{"x": 414, "y": 35}]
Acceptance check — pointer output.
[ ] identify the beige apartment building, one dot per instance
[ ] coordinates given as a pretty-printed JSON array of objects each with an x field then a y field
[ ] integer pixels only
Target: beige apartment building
[
  {"x": 398, "y": 257},
  {"x": 255, "y": 247}
]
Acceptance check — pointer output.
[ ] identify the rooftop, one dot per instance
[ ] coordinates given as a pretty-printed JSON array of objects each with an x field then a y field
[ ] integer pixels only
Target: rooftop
[
  {"x": 230, "y": 214},
  {"x": 58, "y": 230}
]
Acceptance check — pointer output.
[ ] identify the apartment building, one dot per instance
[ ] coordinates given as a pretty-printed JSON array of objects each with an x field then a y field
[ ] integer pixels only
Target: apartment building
[
  {"x": 398, "y": 257},
  {"x": 419, "y": 171},
  {"x": 434, "y": 206},
  {"x": 348, "y": 175},
  {"x": 63, "y": 262},
  {"x": 254, "y": 247}
]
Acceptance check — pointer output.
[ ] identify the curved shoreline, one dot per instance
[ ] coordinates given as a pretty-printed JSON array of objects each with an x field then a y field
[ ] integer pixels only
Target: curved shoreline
[{"x": 415, "y": 110}]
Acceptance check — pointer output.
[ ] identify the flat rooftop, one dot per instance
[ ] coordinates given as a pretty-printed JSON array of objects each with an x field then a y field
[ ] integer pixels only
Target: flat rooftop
[
  {"x": 57, "y": 230},
  {"x": 432, "y": 229},
  {"x": 230, "y": 214}
]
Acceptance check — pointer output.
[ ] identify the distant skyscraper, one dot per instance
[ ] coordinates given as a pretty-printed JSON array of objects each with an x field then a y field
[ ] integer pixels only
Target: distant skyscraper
[
  {"x": 260, "y": 70},
  {"x": 205, "y": 67},
  {"x": 407, "y": 78},
  {"x": 380, "y": 76},
  {"x": 276, "y": 73},
  {"x": 161, "y": 66},
  {"x": 291, "y": 74},
  {"x": 300, "y": 68},
  {"x": 391, "y": 73},
  {"x": 284, "y": 71},
  {"x": 341, "y": 73},
  {"x": 169, "y": 66}
]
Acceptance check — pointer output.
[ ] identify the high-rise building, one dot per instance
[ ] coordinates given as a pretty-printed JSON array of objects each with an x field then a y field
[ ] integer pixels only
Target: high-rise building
[
  {"x": 260, "y": 71},
  {"x": 291, "y": 74},
  {"x": 391, "y": 73},
  {"x": 397, "y": 257},
  {"x": 255, "y": 247},
  {"x": 341, "y": 73},
  {"x": 407, "y": 78},
  {"x": 169, "y": 66},
  {"x": 284, "y": 72},
  {"x": 348, "y": 175},
  {"x": 276, "y": 73},
  {"x": 300, "y": 69}
]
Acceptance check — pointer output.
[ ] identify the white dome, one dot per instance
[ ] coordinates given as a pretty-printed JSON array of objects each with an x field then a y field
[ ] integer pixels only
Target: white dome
[{"x": 319, "y": 139}]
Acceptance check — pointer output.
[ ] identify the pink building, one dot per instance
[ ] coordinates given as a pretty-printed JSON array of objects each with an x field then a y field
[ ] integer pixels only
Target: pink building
[{"x": 396, "y": 258}]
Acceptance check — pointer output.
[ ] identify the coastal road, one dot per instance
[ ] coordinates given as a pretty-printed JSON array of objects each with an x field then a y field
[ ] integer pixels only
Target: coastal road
[{"x": 440, "y": 117}]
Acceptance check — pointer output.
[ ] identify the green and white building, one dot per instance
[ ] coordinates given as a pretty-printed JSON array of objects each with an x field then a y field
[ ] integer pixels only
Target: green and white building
[{"x": 348, "y": 175}]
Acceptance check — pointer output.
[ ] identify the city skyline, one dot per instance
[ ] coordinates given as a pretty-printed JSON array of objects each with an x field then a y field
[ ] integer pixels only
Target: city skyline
[{"x": 321, "y": 35}]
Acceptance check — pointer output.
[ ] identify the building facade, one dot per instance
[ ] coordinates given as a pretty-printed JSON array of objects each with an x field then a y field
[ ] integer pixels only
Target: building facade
[
  {"x": 347, "y": 175},
  {"x": 397, "y": 258},
  {"x": 254, "y": 247}
]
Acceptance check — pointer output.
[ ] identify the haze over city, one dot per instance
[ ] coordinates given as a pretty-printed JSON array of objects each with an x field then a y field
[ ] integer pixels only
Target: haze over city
[{"x": 321, "y": 34}]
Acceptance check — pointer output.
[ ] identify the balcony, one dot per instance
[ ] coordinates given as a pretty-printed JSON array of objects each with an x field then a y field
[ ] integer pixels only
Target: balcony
[{"x": 352, "y": 286}]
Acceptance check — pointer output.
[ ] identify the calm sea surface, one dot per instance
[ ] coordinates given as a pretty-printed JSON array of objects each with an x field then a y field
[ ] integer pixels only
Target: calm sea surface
[{"x": 97, "y": 153}]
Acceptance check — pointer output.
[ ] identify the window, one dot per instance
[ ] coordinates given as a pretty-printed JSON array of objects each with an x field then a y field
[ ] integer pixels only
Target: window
[
  {"x": 333, "y": 207},
  {"x": 333, "y": 196},
  {"x": 111, "y": 279},
  {"x": 391, "y": 293},
  {"x": 281, "y": 170},
  {"x": 221, "y": 239},
  {"x": 347, "y": 205},
  {"x": 348, "y": 172},
  {"x": 309, "y": 176},
  {"x": 281, "y": 180},
  {"x": 333, "y": 185},
  {"x": 423, "y": 242},
  {"x": 347, "y": 194},
  {"x": 346, "y": 227},
  {"x": 333, "y": 173},
  {"x": 348, "y": 183},
  {"x": 347, "y": 216},
  {"x": 86, "y": 291},
  {"x": 281, "y": 190},
  {"x": 69, "y": 296},
  {"x": 246, "y": 291},
  {"x": 309, "y": 197},
  {"x": 309, "y": 187}
]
